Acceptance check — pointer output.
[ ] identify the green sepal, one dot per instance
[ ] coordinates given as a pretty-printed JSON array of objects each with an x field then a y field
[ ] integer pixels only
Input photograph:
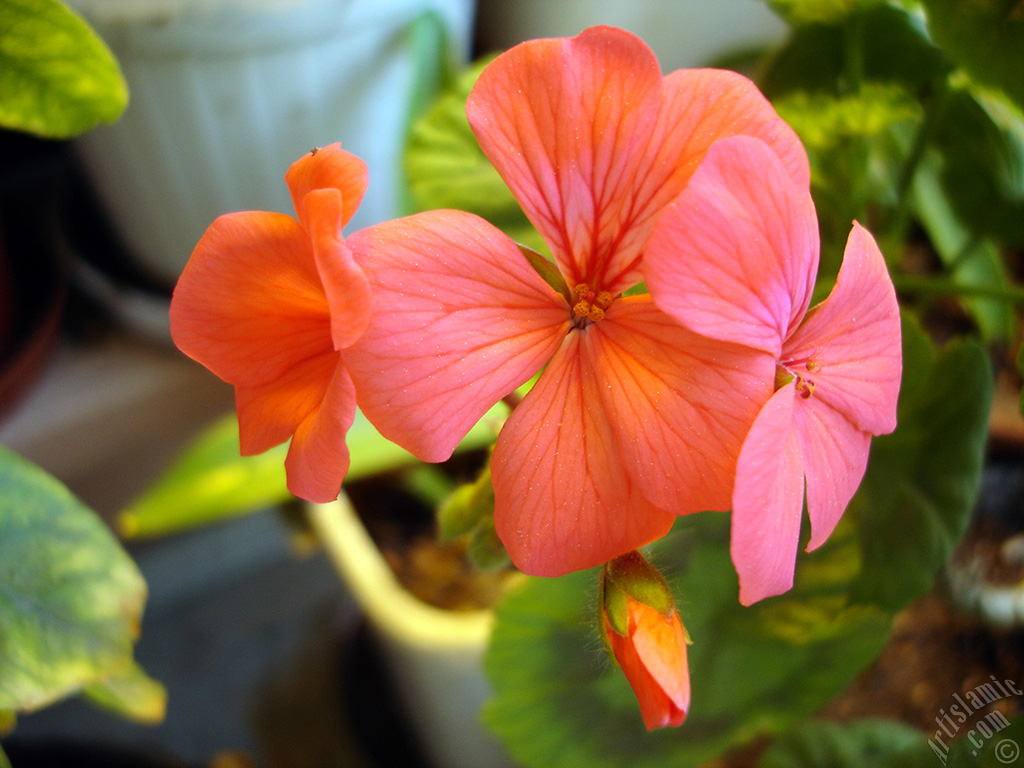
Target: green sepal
[
  {"x": 548, "y": 272},
  {"x": 631, "y": 577}
]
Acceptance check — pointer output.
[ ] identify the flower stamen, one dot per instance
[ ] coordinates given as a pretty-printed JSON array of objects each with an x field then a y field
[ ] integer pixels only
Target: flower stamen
[{"x": 590, "y": 304}]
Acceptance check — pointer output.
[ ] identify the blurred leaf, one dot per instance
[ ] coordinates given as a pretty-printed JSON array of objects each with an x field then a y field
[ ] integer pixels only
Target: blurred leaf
[
  {"x": 1003, "y": 748},
  {"x": 467, "y": 506},
  {"x": 1020, "y": 367},
  {"x": 57, "y": 78},
  {"x": 802, "y": 12},
  {"x": 4, "y": 762},
  {"x": 983, "y": 165},
  {"x": 445, "y": 167},
  {"x": 210, "y": 481},
  {"x": 894, "y": 48},
  {"x": 132, "y": 694},
  {"x": 823, "y": 121},
  {"x": 972, "y": 262},
  {"x": 984, "y": 37},
  {"x": 922, "y": 480},
  {"x": 486, "y": 551},
  {"x": 70, "y": 597},
  {"x": 822, "y": 744}
]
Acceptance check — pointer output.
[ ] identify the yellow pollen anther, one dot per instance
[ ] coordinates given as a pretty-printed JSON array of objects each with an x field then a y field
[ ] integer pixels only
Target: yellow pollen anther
[
  {"x": 581, "y": 290},
  {"x": 813, "y": 366},
  {"x": 603, "y": 300},
  {"x": 582, "y": 309},
  {"x": 595, "y": 314}
]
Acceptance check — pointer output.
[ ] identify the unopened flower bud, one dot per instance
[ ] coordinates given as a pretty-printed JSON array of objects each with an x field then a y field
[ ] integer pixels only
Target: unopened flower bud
[{"x": 644, "y": 634}]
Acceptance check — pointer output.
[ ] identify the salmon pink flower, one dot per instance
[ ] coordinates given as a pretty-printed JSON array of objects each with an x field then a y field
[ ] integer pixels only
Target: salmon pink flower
[
  {"x": 644, "y": 634},
  {"x": 634, "y": 419},
  {"x": 269, "y": 303},
  {"x": 735, "y": 257}
]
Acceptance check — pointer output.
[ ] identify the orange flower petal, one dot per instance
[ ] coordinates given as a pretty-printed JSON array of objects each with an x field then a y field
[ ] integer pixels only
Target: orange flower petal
[
  {"x": 679, "y": 404},
  {"x": 269, "y": 414},
  {"x": 318, "y": 458},
  {"x": 330, "y": 167},
  {"x": 562, "y": 499},
  {"x": 460, "y": 320},
  {"x": 345, "y": 286},
  {"x": 249, "y": 304},
  {"x": 565, "y": 122}
]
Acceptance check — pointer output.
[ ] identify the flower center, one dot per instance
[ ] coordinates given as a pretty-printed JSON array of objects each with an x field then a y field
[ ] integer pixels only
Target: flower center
[
  {"x": 590, "y": 304},
  {"x": 801, "y": 370}
]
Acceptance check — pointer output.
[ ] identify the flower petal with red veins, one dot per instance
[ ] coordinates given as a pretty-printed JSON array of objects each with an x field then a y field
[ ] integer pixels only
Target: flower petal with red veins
[
  {"x": 835, "y": 456},
  {"x": 460, "y": 320},
  {"x": 855, "y": 336},
  {"x": 249, "y": 304},
  {"x": 330, "y": 167},
  {"x": 269, "y": 414},
  {"x": 345, "y": 286},
  {"x": 318, "y": 457},
  {"x": 768, "y": 501},
  {"x": 562, "y": 501},
  {"x": 679, "y": 404},
  {"x": 566, "y": 122},
  {"x": 734, "y": 256}
]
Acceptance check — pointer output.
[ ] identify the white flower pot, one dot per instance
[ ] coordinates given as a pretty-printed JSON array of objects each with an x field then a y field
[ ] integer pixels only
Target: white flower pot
[
  {"x": 226, "y": 94},
  {"x": 435, "y": 656}
]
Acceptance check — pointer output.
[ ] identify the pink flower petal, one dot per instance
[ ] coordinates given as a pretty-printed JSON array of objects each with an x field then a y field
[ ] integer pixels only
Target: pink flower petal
[
  {"x": 835, "y": 456},
  {"x": 700, "y": 107},
  {"x": 854, "y": 335},
  {"x": 328, "y": 168},
  {"x": 565, "y": 122},
  {"x": 249, "y": 304},
  {"x": 460, "y": 320},
  {"x": 734, "y": 256},
  {"x": 768, "y": 501},
  {"x": 318, "y": 458},
  {"x": 679, "y": 404},
  {"x": 562, "y": 501},
  {"x": 345, "y": 286}
]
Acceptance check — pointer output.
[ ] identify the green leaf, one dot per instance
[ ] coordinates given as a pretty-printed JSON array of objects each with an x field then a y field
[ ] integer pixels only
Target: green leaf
[
  {"x": 822, "y": 744},
  {"x": 1020, "y": 367},
  {"x": 132, "y": 694},
  {"x": 210, "y": 481},
  {"x": 892, "y": 45},
  {"x": 70, "y": 597},
  {"x": 445, "y": 167},
  {"x": 57, "y": 78},
  {"x": 754, "y": 671},
  {"x": 922, "y": 480},
  {"x": 972, "y": 262},
  {"x": 802, "y": 12},
  {"x": 1000, "y": 747},
  {"x": 981, "y": 141},
  {"x": 984, "y": 37}
]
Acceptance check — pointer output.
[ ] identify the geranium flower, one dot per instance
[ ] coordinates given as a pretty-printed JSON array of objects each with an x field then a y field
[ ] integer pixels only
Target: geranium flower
[
  {"x": 634, "y": 419},
  {"x": 735, "y": 257},
  {"x": 267, "y": 302}
]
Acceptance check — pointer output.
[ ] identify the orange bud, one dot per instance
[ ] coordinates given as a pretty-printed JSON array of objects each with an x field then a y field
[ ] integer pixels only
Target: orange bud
[{"x": 650, "y": 646}]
